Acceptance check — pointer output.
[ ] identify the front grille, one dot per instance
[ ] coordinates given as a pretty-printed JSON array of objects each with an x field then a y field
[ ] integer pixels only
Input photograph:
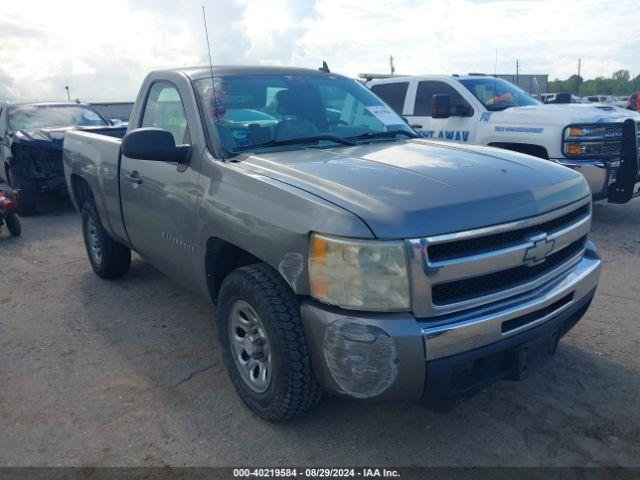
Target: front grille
[
  {"x": 461, "y": 290},
  {"x": 473, "y": 246},
  {"x": 38, "y": 162},
  {"x": 612, "y": 148},
  {"x": 614, "y": 130}
]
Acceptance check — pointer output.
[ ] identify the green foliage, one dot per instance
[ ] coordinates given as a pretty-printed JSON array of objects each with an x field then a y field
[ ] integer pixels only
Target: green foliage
[{"x": 620, "y": 83}]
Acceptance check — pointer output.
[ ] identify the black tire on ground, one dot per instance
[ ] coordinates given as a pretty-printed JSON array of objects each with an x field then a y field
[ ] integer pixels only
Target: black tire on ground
[
  {"x": 27, "y": 209},
  {"x": 13, "y": 225},
  {"x": 109, "y": 259},
  {"x": 293, "y": 388}
]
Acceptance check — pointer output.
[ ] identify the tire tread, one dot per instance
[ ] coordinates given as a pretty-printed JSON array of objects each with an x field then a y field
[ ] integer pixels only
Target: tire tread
[
  {"x": 302, "y": 391},
  {"x": 116, "y": 258}
]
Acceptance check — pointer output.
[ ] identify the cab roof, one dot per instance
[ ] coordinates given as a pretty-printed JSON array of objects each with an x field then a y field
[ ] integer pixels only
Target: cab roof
[
  {"x": 47, "y": 104},
  {"x": 455, "y": 76},
  {"x": 195, "y": 73}
]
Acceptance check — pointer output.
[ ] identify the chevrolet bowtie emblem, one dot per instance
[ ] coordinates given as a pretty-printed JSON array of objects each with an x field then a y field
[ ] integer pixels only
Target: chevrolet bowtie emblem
[{"x": 539, "y": 250}]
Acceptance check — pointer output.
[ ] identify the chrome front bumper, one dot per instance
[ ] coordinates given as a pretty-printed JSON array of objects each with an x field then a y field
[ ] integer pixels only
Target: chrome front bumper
[
  {"x": 388, "y": 356},
  {"x": 596, "y": 172}
]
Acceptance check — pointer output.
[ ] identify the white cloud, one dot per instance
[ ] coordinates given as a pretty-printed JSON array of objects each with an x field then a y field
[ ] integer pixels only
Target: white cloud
[{"x": 102, "y": 50}]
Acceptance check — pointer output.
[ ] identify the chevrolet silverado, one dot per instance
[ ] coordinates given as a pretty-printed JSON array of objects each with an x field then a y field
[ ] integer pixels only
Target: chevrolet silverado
[{"x": 344, "y": 253}]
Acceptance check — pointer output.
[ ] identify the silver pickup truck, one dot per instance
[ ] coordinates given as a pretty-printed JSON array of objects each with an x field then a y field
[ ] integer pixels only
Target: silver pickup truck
[{"x": 343, "y": 252}]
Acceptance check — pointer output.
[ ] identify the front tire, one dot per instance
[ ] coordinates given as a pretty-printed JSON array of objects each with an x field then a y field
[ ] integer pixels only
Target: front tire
[
  {"x": 109, "y": 259},
  {"x": 13, "y": 225},
  {"x": 264, "y": 346}
]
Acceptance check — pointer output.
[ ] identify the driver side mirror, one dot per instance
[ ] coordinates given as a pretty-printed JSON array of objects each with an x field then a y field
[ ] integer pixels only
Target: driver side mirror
[
  {"x": 440, "y": 105},
  {"x": 154, "y": 144}
]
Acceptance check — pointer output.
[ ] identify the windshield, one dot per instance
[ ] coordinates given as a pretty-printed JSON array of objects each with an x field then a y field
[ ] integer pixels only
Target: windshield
[
  {"x": 269, "y": 111},
  {"x": 497, "y": 94},
  {"x": 31, "y": 117}
]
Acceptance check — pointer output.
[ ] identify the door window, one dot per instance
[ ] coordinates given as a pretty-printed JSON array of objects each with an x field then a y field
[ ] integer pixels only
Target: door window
[
  {"x": 164, "y": 109},
  {"x": 392, "y": 94},
  {"x": 427, "y": 89}
]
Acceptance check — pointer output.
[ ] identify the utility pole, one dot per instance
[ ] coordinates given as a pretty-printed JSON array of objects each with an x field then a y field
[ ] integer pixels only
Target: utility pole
[
  {"x": 391, "y": 66},
  {"x": 578, "y": 79},
  {"x": 68, "y": 92}
]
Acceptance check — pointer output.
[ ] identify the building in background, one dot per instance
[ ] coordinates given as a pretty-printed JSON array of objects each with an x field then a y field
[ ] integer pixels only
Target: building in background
[{"x": 111, "y": 110}]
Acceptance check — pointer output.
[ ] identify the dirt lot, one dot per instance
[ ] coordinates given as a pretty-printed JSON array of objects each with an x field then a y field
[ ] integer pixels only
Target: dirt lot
[{"x": 129, "y": 372}]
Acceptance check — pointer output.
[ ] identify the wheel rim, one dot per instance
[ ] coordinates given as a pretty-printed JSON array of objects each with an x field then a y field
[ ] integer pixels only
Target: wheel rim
[
  {"x": 93, "y": 240},
  {"x": 250, "y": 346}
]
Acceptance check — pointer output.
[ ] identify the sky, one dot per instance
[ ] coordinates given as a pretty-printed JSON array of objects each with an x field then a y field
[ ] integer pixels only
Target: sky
[{"x": 103, "y": 49}]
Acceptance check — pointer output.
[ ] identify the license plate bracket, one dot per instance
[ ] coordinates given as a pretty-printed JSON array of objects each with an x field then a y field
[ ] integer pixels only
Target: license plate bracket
[{"x": 529, "y": 356}]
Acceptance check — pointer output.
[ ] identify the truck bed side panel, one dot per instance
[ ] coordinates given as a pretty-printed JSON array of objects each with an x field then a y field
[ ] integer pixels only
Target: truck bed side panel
[{"x": 95, "y": 158}]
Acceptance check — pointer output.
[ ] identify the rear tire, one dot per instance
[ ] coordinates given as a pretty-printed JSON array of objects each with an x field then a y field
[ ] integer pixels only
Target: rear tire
[
  {"x": 13, "y": 225},
  {"x": 274, "y": 337},
  {"x": 109, "y": 259}
]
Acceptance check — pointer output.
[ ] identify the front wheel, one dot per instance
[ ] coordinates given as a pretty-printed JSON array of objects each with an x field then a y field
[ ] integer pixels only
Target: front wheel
[
  {"x": 13, "y": 225},
  {"x": 109, "y": 259},
  {"x": 264, "y": 346}
]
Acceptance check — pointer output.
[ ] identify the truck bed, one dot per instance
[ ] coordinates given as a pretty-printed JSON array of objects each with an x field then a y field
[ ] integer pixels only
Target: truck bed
[{"x": 93, "y": 155}]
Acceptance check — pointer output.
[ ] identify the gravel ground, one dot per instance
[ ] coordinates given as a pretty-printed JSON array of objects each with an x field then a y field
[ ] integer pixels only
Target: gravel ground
[{"x": 129, "y": 373}]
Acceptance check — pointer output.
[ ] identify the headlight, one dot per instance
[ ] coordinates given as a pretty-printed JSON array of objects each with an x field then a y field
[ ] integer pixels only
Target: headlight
[
  {"x": 359, "y": 274},
  {"x": 587, "y": 132},
  {"x": 591, "y": 140},
  {"x": 584, "y": 148}
]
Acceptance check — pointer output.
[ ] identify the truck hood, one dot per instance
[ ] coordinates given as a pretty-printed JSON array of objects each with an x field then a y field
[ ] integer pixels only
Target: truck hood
[
  {"x": 415, "y": 188},
  {"x": 563, "y": 115},
  {"x": 44, "y": 138}
]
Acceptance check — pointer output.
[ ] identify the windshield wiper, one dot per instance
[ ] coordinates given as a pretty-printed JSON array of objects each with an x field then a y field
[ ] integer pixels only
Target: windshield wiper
[
  {"x": 298, "y": 140},
  {"x": 387, "y": 134}
]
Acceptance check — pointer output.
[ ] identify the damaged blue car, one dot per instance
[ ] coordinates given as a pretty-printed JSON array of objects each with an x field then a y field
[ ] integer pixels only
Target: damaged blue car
[{"x": 31, "y": 146}]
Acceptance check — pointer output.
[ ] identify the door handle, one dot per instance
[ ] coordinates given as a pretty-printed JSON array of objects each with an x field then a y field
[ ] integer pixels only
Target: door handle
[{"x": 133, "y": 178}]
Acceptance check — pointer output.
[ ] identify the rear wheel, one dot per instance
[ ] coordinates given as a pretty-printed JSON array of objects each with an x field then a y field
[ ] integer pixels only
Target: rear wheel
[
  {"x": 264, "y": 346},
  {"x": 109, "y": 259},
  {"x": 13, "y": 225}
]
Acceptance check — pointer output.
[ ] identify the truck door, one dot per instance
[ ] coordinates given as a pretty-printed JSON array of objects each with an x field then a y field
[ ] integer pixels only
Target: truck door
[
  {"x": 459, "y": 127},
  {"x": 393, "y": 94},
  {"x": 159, "y": 198}
]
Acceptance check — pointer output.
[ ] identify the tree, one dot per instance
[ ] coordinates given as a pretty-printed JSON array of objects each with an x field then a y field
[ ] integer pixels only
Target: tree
[{"x": 620, "y": 83}]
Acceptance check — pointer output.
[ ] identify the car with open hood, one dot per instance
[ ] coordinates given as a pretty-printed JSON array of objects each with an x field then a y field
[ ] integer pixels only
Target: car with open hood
[{"x": 31, "y": 136}]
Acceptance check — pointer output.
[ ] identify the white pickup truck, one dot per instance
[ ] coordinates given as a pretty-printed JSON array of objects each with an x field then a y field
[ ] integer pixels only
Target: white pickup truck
[{"x": 600, "y": 141}]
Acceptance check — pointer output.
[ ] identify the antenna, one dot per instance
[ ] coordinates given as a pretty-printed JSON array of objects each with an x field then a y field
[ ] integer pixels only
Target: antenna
[
  {"x": 495, "y": 76},
  {"x": 216, "y": 109},
  {"x": 206, "y": 32}
]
